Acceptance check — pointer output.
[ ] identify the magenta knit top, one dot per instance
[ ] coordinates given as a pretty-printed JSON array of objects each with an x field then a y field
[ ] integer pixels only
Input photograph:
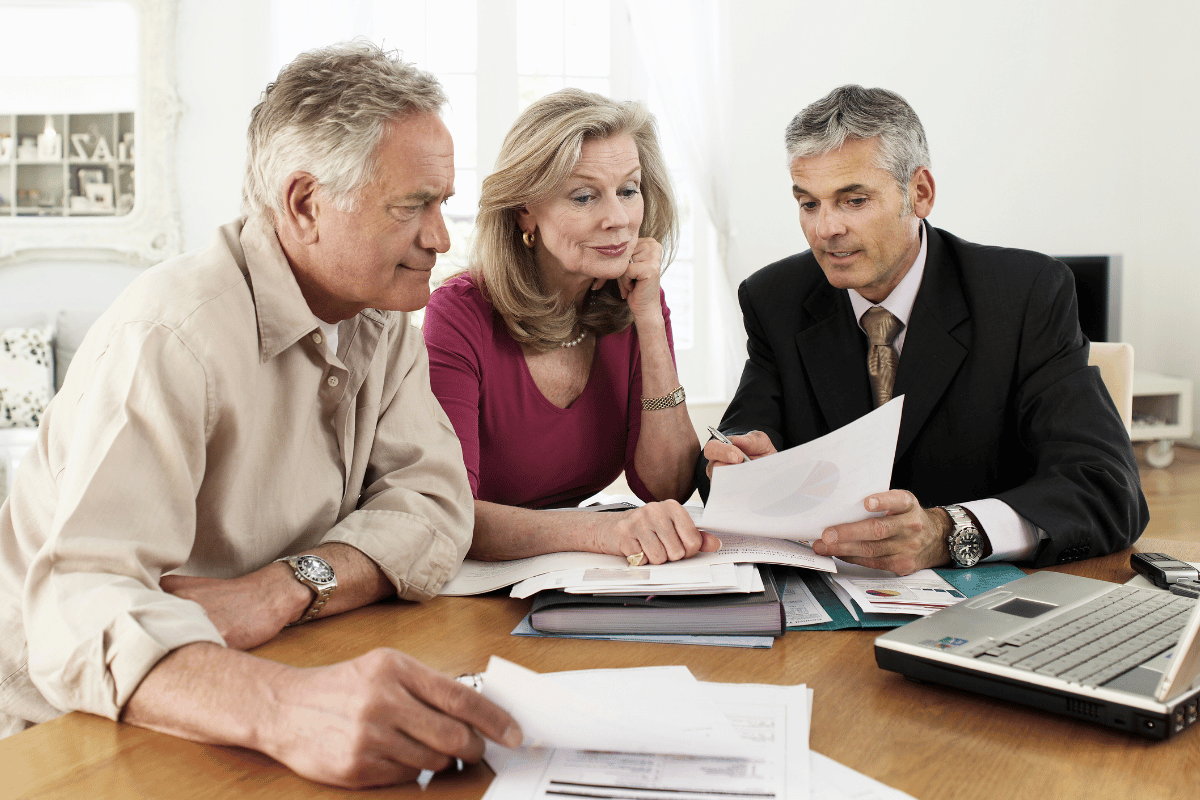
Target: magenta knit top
[{"x": 519, "y": 448}]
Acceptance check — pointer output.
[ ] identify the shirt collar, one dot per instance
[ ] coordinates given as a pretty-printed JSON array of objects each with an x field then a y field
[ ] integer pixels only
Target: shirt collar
[
  {"x": 900, "y": 301},
  {"x": 283, "y": 313}
]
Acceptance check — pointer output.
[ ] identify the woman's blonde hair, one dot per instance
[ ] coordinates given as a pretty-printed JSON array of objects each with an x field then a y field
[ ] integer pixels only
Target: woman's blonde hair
[{"x": 537, "y": 158}]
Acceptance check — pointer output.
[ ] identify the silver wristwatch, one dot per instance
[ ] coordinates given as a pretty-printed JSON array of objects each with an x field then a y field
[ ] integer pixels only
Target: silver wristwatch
[
  {"x": 315, "y": 573},
  {"x": 667, "y": 401},
  {"x": 965, "y": 540}
]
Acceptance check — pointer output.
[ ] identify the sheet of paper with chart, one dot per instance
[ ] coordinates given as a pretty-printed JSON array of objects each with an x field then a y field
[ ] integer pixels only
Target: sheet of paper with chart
[
  {"x": 772, "y": 720},
  {"x": 799, "y": 492}
]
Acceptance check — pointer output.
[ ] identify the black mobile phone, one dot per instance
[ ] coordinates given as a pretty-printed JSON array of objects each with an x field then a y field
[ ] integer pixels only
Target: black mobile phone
[{"x": 1162, "y": 570}]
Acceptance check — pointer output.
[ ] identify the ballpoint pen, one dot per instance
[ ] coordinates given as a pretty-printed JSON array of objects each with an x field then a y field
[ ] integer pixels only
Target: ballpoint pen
[
  {"x": 723, "y": 439},
  {"x": 473, "y": 681}
]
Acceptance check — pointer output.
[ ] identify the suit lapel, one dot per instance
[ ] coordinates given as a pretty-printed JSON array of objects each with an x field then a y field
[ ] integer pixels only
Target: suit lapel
[
  {"x": 833, "y": 352},
  {"x": 936, "y": 343}
]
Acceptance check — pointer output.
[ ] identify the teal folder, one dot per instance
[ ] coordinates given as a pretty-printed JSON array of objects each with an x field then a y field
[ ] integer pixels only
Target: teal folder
[{"x": 971, "y": 582}]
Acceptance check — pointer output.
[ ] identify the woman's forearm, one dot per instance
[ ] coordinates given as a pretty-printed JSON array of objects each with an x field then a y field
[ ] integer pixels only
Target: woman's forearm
[{"x": 667, "y": 447}]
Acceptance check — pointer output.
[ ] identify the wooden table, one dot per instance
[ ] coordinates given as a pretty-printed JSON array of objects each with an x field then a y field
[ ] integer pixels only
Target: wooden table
[{"x": 929, "y": 741}]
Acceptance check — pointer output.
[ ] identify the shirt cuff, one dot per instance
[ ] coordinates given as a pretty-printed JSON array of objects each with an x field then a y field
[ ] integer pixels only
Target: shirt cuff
[{"x": 1013, "y": 538}]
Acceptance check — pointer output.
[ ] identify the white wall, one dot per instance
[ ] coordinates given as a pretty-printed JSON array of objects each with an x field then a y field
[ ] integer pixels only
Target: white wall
[
  {"x": 1064, "y": 127},
  {"x": 1034, "y": 109},
  {"x": 222, "y": 66}
]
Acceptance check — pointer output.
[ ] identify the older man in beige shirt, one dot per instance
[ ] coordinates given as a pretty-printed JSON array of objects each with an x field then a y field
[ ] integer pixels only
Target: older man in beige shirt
[{"x": 247, "y": 403}]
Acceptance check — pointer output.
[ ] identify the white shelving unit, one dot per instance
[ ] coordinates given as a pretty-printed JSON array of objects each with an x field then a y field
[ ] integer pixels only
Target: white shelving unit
[
  {"x": 92, "y": 175},
  {"x": 1162, "y": 413}
]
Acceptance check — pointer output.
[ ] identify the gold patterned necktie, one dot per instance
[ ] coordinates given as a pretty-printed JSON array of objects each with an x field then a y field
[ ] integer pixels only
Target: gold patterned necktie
[{"x": 881, "y": 326}]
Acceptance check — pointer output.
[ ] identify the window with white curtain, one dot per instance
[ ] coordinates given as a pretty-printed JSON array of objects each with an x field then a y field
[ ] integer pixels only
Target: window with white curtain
[{"x": 494, "y": 58}]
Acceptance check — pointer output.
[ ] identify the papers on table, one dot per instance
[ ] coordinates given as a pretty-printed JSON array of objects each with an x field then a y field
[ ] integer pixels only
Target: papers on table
[
  {"x": 586, "y": 756},
  {"x": 882, "y": 592},
  {"x": 798, "y": 493},
  {"x": 617, "y": 736},
  {"x": 477, "y": 577},
  {"x": 800, "y": 605},
  {"x": 689, "y": 579}
]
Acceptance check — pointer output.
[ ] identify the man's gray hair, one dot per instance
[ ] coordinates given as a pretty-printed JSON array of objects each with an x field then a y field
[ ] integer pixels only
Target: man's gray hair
[
  {"x": 852, "y": 112},
  {"x": 326, "y": 114}
]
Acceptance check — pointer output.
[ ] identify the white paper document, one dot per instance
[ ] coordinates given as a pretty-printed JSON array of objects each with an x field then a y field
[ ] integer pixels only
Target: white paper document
[
  {"x": 800, "y": 606},
  {"x": 832, "y": 780},
  {"x": 798, "y": 493},
  {"x": 653, "y": 710},
  {"x": 773, "y": 721},
  {"x": 879, "y": 591},
  {"x": 715, "y": 579},
  {"x": 476, "y": 577}
]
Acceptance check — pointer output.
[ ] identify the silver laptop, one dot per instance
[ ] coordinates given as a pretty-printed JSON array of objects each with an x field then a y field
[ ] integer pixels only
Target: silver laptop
[{"x": 1120, "y": 656}]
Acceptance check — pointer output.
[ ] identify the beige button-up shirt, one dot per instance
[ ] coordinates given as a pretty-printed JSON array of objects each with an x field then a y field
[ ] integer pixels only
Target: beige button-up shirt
[{"x": 205, "y": 429}]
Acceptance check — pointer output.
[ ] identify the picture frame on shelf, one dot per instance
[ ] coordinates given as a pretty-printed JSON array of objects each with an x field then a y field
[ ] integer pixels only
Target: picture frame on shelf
[
  {"x": 87, "y": 177},
  {"x": 100, "y": 195}
]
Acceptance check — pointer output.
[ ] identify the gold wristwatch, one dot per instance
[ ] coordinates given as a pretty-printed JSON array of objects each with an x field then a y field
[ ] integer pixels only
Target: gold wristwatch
[{"x": 669, "y": 401}]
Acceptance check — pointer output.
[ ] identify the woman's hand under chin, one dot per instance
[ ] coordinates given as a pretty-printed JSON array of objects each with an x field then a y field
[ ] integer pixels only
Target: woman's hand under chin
[{"x": 639, "y": 284}]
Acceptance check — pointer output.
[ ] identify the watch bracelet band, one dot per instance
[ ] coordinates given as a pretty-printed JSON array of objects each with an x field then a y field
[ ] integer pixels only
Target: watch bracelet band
[
  {"x": 666, "y": 401},
  {"x": 961, "y": 518},
  {"x": 317, "y": 604},
  {"x": 322, "y": 595}
]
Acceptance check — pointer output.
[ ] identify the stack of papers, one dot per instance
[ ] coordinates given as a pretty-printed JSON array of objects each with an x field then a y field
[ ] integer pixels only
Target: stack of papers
[
  {"x": 658, "y": 732},
  {"x": 589, "y": 571},
  {"x": 881, "y": 592},
  {"x": 683, "y": 577},
  {"x": 860, "y": 598}
]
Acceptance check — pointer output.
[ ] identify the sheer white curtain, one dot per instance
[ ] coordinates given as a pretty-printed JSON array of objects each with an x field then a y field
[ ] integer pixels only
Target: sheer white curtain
[{"x": 686, "y": 56}]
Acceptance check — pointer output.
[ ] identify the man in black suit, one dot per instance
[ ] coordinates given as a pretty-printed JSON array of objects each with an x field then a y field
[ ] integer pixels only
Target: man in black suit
[{"x": 1010, "y": 446}]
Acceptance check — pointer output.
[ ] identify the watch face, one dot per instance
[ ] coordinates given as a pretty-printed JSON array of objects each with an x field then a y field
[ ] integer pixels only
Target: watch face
[
  {"x": 965, "y": 548},
  {"x": 315, "y": 569}
]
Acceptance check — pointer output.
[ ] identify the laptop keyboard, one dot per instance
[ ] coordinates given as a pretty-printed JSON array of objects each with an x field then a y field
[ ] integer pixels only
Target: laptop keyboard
[{"x": 1097, "y": 641}]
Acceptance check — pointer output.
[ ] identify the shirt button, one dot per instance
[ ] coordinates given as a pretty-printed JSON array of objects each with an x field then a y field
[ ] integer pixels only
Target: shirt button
[
  {"x": 317, "y": 338},
  {"x": 332, "y": 380}
]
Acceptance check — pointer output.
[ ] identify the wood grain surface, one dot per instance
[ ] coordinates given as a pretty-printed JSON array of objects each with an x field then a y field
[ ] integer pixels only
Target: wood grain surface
[{"x": 929, "y": 741}]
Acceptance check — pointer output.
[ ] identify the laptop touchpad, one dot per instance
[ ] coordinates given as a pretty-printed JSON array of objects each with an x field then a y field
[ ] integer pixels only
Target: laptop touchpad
[{"x": 1142, "y": 680}]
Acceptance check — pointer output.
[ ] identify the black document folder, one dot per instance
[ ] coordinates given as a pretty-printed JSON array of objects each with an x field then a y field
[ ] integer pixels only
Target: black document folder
[{"x": 753, "y": 614}]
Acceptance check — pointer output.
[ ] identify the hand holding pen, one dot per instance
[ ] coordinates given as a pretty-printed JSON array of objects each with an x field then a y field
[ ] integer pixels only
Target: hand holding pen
[{"x": 723, "y": 450}]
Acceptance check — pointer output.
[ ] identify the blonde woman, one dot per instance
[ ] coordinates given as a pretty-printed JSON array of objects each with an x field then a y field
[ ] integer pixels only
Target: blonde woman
[{"x": 553, "y": 355}]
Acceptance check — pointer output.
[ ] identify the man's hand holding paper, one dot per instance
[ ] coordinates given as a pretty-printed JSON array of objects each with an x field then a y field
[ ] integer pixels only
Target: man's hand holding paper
[
  {"x": 907, "y": 538},
  {"x": 802, "y": 492}
]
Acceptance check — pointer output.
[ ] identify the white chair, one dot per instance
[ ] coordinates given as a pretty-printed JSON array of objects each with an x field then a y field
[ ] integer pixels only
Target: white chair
[{"x": 1115, "y": 360}]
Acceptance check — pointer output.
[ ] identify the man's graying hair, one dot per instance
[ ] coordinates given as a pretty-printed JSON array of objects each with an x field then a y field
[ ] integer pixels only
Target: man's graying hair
[
  {"x": 325, "y": 114},
  {"x": 852, "y": 112}
]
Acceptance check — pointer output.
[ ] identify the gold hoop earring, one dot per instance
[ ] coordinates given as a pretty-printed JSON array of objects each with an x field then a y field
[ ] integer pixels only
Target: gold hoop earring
[{"x": 527, "y": 238}]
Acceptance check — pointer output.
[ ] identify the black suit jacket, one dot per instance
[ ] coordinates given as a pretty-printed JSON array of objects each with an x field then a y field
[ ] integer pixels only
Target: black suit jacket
[{"x": 999, "y": 400}]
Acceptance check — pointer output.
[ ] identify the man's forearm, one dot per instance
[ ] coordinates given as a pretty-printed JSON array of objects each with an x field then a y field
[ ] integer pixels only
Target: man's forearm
[
  {"x": 205, "y": 693},
  {"x": 254, "y": 608},
  {"x": 377, "y": 719},
  {"x": 360, "y": 580}
]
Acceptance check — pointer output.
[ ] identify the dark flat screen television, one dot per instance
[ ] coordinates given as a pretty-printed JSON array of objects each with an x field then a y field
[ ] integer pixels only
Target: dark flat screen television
[{"x": 1098, "y": 291}]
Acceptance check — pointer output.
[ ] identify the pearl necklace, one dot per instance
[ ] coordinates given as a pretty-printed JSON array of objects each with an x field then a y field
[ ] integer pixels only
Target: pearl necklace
[{"x": 574, "y": 341}]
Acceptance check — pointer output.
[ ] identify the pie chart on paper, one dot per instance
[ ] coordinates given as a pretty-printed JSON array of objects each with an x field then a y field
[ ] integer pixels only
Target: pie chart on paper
[{"x": 815, "y": 488}]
